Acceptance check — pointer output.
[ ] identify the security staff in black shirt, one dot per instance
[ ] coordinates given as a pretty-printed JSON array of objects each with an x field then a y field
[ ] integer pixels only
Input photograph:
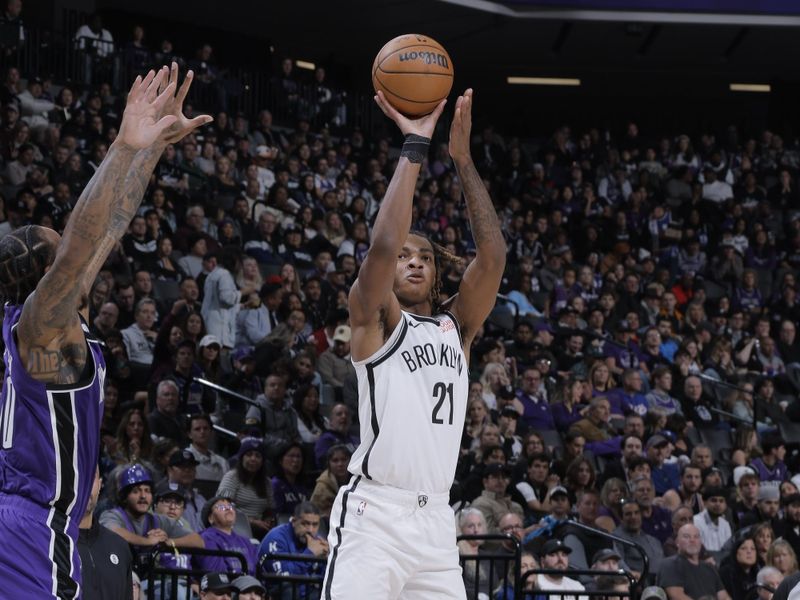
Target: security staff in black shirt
[{"x": 106, "y": 559}]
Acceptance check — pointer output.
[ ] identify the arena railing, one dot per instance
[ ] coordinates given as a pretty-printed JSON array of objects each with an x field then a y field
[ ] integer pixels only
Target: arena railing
[
  {"x": 295, "y": 587},
  {"x": 615, "y": 538},
  {"x": 501, "y": 565},
  {"x": 631, "y": 592},
  {"x": 58, "y": 55},
  {"x": 514, "y": 579},
  {"x": 236, "y": 395},
  {"x": 165, "y": 582}
]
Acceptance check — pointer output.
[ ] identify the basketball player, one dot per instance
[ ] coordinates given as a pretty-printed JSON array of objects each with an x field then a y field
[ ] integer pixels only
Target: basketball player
[
  {"x": 52, "y": 400},
  {"x": 392, "y": 531}
]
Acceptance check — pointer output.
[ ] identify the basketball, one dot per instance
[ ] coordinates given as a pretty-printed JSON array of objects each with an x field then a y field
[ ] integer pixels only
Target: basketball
[{"x": 414, "y": 72}]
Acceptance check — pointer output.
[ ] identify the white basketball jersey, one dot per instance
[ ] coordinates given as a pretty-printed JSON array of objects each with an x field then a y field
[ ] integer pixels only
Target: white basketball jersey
[{"x": 412, "y": 403}]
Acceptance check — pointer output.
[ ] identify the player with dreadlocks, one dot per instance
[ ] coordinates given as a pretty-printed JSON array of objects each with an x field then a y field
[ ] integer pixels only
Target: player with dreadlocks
[
  {"x": 392, "y": 531},
  {"x": 52, "y": 404},
  {"x": 442, "y": 258}
]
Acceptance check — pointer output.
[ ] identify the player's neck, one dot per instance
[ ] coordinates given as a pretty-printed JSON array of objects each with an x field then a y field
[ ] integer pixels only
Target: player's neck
[{"x": 422, "y": 308}]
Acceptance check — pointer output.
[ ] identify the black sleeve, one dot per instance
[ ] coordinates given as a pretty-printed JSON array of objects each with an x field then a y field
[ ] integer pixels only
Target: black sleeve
[{"x": 786, "y": 586}]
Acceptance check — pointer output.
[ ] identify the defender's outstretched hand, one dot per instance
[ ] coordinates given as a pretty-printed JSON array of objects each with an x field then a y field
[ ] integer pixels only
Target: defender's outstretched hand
[
  {"x": 461, "y": 127},
  {"x": 142, "y": 123},
  {"x": 423, "y": 126},
  {"x": 174, "y": 106}
]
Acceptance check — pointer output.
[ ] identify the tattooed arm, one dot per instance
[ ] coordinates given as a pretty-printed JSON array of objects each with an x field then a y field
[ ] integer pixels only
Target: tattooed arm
[
  {"x": 126, "y": 205},
  {"x": 50, "y": 337},
  {"x": 141, "y": 170},
  {"x": 478, "y": 289}
]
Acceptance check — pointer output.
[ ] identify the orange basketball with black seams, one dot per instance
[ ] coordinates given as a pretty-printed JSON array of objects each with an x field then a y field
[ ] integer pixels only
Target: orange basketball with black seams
[{"x": 414, "y": 72}]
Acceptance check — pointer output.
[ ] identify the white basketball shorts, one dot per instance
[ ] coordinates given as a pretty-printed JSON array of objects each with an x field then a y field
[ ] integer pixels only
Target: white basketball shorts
[{"x": 387, "y": 544}]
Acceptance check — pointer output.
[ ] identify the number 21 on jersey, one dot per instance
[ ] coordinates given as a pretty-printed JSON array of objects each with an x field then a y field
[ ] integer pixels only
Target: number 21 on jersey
[{"x": 442, "y": 392}]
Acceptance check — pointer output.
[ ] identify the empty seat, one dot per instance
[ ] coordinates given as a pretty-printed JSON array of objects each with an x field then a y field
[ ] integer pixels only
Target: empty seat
[
  {"x": 718, "y": 439},
  {"x": 693, "y": 435},
  {"x": 790, "y": 432},
  {"x": 552, "y": 439},
  {"x": 166, "y": 291},
  {"x": 501, "y": 318},
  {"x": 207, "y": 487}
]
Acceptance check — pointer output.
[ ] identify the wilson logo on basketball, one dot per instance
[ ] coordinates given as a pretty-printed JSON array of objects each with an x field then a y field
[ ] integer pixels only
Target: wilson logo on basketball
[{"x": 429, "y": 58}]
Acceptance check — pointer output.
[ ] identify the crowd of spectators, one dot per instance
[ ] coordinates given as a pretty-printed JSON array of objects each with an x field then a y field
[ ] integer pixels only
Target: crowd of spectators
[{"x": 639, "y": 376}]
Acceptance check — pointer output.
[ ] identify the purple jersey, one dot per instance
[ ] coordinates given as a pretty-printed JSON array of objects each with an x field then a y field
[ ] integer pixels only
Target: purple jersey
[{"x": 50, "y": 438}]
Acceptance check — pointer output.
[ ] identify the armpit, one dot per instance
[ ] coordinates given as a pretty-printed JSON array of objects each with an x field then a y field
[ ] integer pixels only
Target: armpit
[{"x": 62, "y": 366}]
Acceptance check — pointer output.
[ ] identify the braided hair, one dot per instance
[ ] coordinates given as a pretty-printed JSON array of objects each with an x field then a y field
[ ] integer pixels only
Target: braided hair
[
  {"x": 24, "y": 255},
  {"x": 441, "y": 258}
]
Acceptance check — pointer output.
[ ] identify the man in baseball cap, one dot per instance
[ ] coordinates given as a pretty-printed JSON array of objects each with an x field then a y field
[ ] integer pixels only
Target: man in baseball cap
[
  {"x": 133, "y": 521},
  {"x": 249, "y": 588},
  {"x": 216, "y": 586},
  {"x": 170, "y": 498},
  {"x": 182, "y": 469},
  {"x": 554, "y": 555},
  {"x": 606, "y": 559},
  {"x": 766, "y": 508},
  {"x": 653, "y": 593}
]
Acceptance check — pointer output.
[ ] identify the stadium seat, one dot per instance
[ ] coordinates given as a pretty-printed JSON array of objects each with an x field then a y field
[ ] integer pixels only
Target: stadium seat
[
  {"x": 166, "y": 291},
  {"x": 714, "y": 291},
  {"x": 233, "y": 420},
  {"x": 790, "y": 432},
  {"x": 327, "y": 395},
  {"x": 552, "y": 439},
  {"x": 207, "y": 487},
  {"x": 693, "y": 435},
  {"x": 501, "y": 319},
  {"x": 718, "y": 439},
  {"x": 618, "y": 423}
]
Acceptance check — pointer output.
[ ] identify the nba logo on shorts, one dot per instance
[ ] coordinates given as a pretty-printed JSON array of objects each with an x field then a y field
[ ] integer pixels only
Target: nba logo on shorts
[
  {"x": 361, "y": 506},
  {"x": 422, "y": 500}
]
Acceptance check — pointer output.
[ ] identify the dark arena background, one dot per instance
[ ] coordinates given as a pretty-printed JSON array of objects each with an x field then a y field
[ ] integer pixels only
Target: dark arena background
[{"x": 632, "y": 423}]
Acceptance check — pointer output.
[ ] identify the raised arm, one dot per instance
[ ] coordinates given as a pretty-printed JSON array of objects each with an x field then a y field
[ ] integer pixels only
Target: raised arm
[
  {"x": 142, "y": 167},
  {"x": 478, "y": 289},
  {"x": 373, "y": 305},
  {"x": 51, "y": 340}
]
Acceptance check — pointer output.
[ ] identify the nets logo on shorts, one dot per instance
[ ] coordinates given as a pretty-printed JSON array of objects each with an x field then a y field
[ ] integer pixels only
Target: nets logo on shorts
[{"x": 422, "y": 500}]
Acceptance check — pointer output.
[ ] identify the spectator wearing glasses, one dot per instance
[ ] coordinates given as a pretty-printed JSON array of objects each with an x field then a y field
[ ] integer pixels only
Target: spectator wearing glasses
[
  {"x": 181, "y": 472},
  {"x": 170, "y": 501},
  {"x": 219, "y": 517},
  {"x": 511, "y": 524},
  {"x": 536, "y": 413}
]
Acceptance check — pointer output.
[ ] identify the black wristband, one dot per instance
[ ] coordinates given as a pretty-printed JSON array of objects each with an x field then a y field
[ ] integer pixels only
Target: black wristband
[{"x": 415, "y": 148}]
